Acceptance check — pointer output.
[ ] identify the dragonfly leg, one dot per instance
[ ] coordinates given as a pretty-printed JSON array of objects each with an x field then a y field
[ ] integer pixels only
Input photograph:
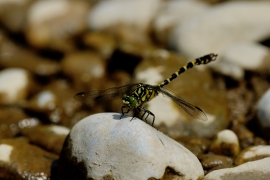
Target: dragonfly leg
[{"x": 123, "y": 113}]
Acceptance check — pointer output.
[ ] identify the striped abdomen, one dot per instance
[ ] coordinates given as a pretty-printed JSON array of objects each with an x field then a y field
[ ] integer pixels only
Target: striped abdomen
[{"x": 202, "y": 60}]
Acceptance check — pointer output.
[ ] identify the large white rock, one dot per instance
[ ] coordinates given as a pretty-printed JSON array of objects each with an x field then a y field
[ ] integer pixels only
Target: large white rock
[
  {"x": 249, "y": 171},
  {"x": 107, "y": 146},
  {"x": 223, "y": 25}
]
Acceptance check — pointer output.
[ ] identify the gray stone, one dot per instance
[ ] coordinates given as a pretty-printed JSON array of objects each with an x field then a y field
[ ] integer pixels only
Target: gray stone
[{"x": 263, "y": 113}]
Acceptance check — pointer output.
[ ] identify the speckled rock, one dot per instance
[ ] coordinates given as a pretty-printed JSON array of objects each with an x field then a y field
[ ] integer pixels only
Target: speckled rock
[
  {"x": 50, "y": 137},
  {"x": 225, "y": 143},
  {"x": 248, "y": 171},
  {"x": 240, "y": 101},
  {"x": 14, "y": 85},
  {"x": 102, "y": 146},
  {"x": 253, "y": 153},
  {"x": 21, "y": 160},
  {"x": 215, "y": 31},
  {"x": 52, "y": 24},
  {"x": 263, "y": 113},
  {"x": 195, "y": 86}
]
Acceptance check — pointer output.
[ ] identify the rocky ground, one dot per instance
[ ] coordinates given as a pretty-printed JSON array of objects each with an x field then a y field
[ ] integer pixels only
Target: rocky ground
[{"x": 51, "y": 50}]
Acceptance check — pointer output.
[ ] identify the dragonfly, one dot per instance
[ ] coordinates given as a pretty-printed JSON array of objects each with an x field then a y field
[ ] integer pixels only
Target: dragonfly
[{"x": 134, "y": 96}]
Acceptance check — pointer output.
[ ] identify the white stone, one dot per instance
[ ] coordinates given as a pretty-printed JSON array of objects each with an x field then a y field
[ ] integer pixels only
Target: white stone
[
  {"x": 5, "y": 152},
  {"x": 227, "y": 136},
  {"x": 225, "y": 143},
  {"x": 247, "y": 55},
  {"x": 222, "y": 26},
  {"x": 137, "y": 14},
  {"x": 249, "y": 171},
  {"x": 128, "y": 149},
  {"x": 13, "y": 84},
  {"x": 60, "y": 130},
  {"x": 263, "y": 112}
]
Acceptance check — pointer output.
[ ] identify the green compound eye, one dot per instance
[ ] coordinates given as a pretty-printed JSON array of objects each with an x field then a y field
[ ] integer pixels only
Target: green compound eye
[{"x": 132, "y": 100}]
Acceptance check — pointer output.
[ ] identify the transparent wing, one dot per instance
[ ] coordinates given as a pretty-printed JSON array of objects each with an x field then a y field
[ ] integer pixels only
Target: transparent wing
[
  {"x": 192, "y": 110},
  {"x": 104, "y": 93}
]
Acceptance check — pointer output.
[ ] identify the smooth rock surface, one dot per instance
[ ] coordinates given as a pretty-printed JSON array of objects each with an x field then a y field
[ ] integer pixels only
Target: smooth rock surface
[
  {"x": 102, "y": 145},
  {"x": 249, "y": 171},
  {"x": 263, "y": 113}
]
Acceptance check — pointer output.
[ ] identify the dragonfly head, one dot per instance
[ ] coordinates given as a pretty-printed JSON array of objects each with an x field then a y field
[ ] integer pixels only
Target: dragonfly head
[{"x": 129, "y": 100}]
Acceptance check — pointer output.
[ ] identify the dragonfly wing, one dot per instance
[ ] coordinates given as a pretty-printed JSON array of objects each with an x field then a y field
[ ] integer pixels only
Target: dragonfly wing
[
  {"x": 104, "y": 93},
  {"x": 192, "y": 110}
]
